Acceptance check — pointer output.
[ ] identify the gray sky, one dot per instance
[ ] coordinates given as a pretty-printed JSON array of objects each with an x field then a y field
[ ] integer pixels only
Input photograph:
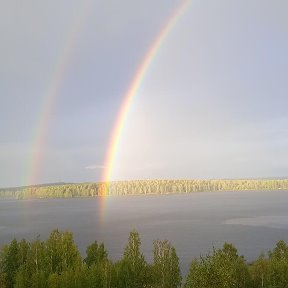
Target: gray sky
[{"x": 213, "y": 103}]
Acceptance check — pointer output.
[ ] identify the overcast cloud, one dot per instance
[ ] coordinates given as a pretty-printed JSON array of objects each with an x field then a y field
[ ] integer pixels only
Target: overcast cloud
[{"x": 213, "y": 103}]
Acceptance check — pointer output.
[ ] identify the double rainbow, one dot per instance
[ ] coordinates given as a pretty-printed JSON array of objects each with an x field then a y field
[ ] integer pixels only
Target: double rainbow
[{"x": 61, "y": 68}]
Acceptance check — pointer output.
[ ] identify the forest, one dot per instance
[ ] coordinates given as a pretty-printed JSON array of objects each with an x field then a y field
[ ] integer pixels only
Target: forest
[
  {"x": 57, "y": 262},
  {"x": 140, "y": 187}
]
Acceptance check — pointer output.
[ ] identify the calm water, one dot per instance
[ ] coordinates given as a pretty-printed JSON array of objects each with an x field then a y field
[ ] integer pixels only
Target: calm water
[{"x": 193, "y": 223}]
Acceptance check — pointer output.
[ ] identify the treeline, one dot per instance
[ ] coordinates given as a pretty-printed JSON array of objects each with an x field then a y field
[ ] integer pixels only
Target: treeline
[
  {"x": 142, "y": 187},
  {"x": 57, "y": 262}
]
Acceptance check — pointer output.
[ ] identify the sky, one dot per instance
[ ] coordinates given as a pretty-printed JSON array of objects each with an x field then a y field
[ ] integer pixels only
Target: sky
[{"x": 213, "y": 103}]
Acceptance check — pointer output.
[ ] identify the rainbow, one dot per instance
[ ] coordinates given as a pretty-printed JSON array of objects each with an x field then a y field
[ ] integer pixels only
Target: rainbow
[
  {"x": 58, "y": 77},
  {"x": 133, "y": 88}
]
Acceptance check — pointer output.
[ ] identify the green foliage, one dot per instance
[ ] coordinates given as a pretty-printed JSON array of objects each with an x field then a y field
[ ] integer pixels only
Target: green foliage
[
  {"x": 36, "y": 257},
  {"x": 10, "y": 262},
  {"x": 95, "y": 254},
  {"x": 22, "y": 278},
  {"x": 133, "y": 267},
  {"x": 166, "y": 267},
  {"x": 278, "y": 265},
  {"x": 2, "y": 280},
  {"x": 223, "y": 269},
  {"x": 259, "y": 271},
  {"x": 56, "y": 262},
  {"x": 141, "y": 187},
  {"x": 38, "y": 280},
  {"x": 271, "y": 272},
  {"x": 61, "y": 251}
]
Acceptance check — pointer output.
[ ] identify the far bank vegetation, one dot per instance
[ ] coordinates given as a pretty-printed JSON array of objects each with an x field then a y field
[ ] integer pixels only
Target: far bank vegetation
[{"x": 140, "y": 187}]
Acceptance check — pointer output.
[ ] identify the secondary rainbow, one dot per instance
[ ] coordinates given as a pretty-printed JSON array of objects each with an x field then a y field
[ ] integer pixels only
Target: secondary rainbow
[
  {"x": 59, "y": 72},
  {"x": 133, "y": 88}
]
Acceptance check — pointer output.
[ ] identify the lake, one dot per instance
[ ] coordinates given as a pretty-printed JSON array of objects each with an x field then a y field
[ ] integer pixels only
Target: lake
[{"x": 252, "y": 220}]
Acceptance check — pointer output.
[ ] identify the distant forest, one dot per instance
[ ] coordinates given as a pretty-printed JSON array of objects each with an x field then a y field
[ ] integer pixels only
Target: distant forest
[
  {"x": 57, "y": 262},
  {"x": 140, "y": 187}
]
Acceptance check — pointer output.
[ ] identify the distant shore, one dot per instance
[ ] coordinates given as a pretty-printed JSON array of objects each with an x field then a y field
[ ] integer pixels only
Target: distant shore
[{"x": 141, "y": 187}]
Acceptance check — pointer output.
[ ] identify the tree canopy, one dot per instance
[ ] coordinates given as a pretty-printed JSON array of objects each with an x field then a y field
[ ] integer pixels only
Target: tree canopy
[
  {"x": 141, "y": 187},
  {"x": 57, "y": 262}
]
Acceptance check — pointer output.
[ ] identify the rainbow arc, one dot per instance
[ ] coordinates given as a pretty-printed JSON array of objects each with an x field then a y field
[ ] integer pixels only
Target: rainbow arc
[
  {"x": 60, "y": 71},
  {"x": 134, "y": 86}
]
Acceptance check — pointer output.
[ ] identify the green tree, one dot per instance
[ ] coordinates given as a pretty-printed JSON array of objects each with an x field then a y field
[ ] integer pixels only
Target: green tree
[
  {"x": 62, "y": 252},
  {"x": 223, "y": 269},
  {"x": 95, "y": 254},
  {"x": 133, "y": 267},
  {"x": 23, "y": 251},
  {"x": 278, "y": 265},
  {"x": 10, "y": 262},
  {"x": 259, "y": 271},
  {"x": 22, "y": 279},
  {"x": 202, "y": 274},
  {"x": 2, "y": 280},
  {"x": 231, "y": 267},
  {"x": 39, "y": 280},
  {"x": 166, "y": 265},
  {"x": 53, "y": 280},
  {"x": 33, "y": 271},
  {"x": 36, "y": 257},
  {"x": 102, "y": 275}
]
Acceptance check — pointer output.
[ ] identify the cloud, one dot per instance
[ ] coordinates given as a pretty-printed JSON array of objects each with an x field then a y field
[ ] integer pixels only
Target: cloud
[
  {"x": 94, "y": 167},
  {"x": 154, "y": 165}
]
